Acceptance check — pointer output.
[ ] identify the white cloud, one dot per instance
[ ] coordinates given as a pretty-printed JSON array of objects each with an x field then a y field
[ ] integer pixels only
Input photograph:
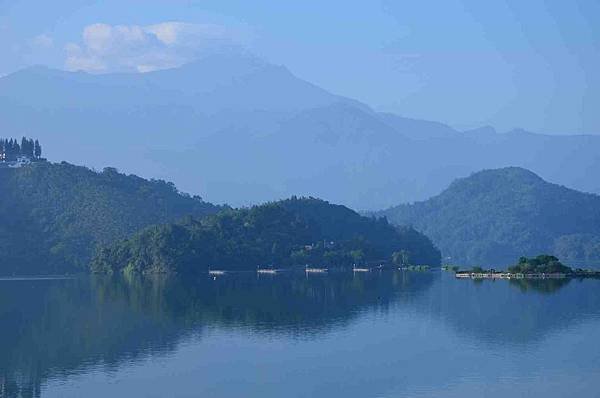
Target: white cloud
[
  {"x": 78, "y": 59},
  {"x": 107, "y": 48}
]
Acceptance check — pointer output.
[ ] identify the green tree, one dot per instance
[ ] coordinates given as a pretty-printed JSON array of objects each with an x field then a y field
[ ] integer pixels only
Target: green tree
[
  {"x": 358, "y": 256},
  {"x": 401, "y": 258},
  {"x": 37, "y": 150}
]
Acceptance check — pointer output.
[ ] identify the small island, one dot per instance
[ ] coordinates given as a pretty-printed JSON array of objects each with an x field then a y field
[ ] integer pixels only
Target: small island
[{"x": 543, "y": 266}]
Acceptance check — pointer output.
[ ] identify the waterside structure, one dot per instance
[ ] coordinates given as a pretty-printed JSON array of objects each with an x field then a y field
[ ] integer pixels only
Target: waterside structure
[{"x": 507, "y": 275}]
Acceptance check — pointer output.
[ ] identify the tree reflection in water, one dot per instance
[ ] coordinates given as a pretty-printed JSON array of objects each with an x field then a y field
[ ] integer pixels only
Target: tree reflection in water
[{"x": 62, "y": 327}]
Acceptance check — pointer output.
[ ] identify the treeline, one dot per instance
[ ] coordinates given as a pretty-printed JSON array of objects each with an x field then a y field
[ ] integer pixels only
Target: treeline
[
  {"x": 293, "y": 232},
  {"x": 10, "y": 149},
  {"x": 542, "y": 264}
]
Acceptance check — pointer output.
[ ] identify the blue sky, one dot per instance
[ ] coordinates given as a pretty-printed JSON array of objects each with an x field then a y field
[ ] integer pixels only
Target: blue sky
[{"x": 531, "y": 64}]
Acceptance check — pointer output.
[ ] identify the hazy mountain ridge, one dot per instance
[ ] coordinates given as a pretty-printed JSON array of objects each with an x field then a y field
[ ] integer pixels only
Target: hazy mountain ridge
[
  {"x": 265, "y": 134},
  {"x": 494, "y": 216}
]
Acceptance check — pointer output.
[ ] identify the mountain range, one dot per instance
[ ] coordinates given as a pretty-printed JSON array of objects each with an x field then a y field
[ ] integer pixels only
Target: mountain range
[
  {"x": 494, "y": 216},
  {"x": 237, "y": 129}
]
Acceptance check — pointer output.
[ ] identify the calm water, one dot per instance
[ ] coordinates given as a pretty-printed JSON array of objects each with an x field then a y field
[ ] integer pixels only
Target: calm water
[{"x": 388, "y": 334}]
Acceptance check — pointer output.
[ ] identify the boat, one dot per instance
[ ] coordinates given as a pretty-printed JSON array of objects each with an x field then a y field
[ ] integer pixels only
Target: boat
[
  {"x": 216, "y": 272},
  {"x": 359, "y": 269},
  {"x": 315, "y": 270},
  {"x": 267, "y": 271}
]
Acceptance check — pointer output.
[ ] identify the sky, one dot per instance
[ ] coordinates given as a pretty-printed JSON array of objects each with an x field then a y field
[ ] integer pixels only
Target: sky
[{"x": 506, "y": 63}]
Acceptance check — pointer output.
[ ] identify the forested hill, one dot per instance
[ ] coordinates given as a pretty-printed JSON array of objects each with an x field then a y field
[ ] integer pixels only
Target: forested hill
[
  {"x": 497, "y": 215},
  {"x": 52, "y": 216},
  {"x": 280, "y": 234}
]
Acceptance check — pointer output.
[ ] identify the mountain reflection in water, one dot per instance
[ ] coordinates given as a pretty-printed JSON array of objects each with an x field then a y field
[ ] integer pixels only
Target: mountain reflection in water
[{"x": 61, "y": 328}]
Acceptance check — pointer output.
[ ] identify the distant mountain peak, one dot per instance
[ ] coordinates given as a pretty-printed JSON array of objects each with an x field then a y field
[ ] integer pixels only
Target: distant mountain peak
[
  {"x": 484, "y": 130},
  {"x": 519, "y": 131},
  {"x": 489, "y": 180},
  {"x": 506, "y": 172}
]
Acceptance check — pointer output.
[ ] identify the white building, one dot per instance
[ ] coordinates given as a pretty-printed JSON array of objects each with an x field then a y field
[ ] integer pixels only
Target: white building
[{"x": 20, "y": 162}]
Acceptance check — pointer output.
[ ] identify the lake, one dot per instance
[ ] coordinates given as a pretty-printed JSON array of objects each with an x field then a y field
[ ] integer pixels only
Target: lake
[{"x": 377, "y": 334}]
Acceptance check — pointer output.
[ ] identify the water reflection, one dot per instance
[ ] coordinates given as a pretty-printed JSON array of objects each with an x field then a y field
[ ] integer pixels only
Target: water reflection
[
  {"x": 518, "y": 312},
  {"x": 540, "y": 285},
  {"x": 59, "y": 328}
]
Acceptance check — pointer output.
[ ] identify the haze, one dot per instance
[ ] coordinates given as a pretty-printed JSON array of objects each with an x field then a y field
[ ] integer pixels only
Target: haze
[
  {"x": 299, "y": 198},
  {"x": 513, "y": 63}
]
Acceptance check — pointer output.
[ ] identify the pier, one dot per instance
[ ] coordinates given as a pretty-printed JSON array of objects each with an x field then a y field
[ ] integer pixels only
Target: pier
[{"x": 507, "y": 275}]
